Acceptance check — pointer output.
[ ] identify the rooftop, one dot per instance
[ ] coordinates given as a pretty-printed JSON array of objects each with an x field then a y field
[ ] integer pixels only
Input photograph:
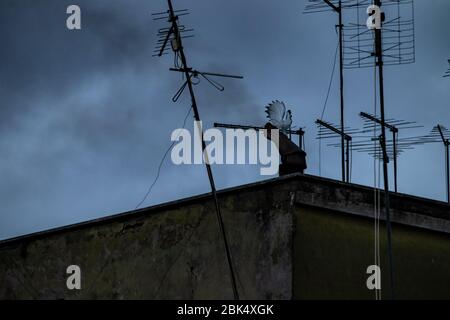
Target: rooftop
[{"x": 311, "y": 191}]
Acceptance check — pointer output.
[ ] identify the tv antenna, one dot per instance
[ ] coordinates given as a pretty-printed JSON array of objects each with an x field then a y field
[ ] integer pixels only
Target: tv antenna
[
  {"x": 174, "y": 35},
  {"x": 394, "y": 146},
  {"x": 442, "y": 134},
  {"x": 316, "y": 6},
  {"x": 329, "y": 130},
  {"x": 388, "y": 41},
  {"x": 397, "y": 35}
]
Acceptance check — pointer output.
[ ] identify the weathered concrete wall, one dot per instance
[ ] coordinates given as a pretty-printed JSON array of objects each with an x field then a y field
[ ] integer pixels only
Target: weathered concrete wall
[
  {"x": 334, "y": 243},
  {"x": 298, "y": 237},
  {"x": 172, "y": 252},
  {"x": 332, "y": 252}
]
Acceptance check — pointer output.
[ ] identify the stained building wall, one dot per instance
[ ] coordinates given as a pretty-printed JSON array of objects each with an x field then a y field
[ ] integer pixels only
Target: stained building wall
[
  {"x": 332, "y": 252},
  {"x": 334, "y": 243},
  {"x": 296, "y": 237},
  {"x": 171, "y": 252}
]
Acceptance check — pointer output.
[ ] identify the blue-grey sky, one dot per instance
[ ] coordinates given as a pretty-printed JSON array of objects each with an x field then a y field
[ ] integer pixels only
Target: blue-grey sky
[{"x": 85, "y": 116}]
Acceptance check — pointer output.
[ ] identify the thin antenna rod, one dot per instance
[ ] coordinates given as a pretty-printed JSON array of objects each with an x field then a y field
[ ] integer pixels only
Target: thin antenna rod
[
  {"x": 447, "y": 160},
  {"x": 207, "y": 73},
  {"x": 447, "y": 144},
  {"x": 173, "y": 20},
  {"x": 394, "y": 142},
  {"x": 345, "y": 172},
  {"x": 344, "y": 137},
  {"x": 300, "y": 132}
]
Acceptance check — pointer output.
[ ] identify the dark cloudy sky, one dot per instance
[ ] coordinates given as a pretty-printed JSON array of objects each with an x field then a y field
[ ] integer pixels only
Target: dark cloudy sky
[{"x": 85, "y": 116}]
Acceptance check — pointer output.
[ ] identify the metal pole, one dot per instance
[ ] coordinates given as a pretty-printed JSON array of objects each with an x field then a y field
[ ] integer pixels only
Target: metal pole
[
  {"x": 448, "y": 169},
  {"x": 395, "y": 158},
  {"x": 341, "y": 80},
  {"x": 341, "y": 77},
  {"x": 346, "y": 139},
  {"x": 446, "y": 143},
  {"x": 347, "y": 154},
  {"x": 300, "y": 138},
  {"x": 379, "y": 54},
  {"x": 208, "y": 167}
]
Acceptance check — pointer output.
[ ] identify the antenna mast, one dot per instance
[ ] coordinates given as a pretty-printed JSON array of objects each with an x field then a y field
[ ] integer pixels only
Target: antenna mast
[
  {"x": 446, "y": 142},
  {"x": 443, "y": 135},
  {"x": 328, "y": 130},
  {"x": 318, "y": 7},
  {"x": 391, "y": 43},
  {"x": 379, "y": 63},
  {"x": 392, "y": 39},
  {"x": 174, "y": 36}
]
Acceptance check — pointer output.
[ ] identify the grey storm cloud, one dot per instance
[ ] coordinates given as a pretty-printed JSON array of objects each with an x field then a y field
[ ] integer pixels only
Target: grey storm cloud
[{"x": 86, "y": 115}]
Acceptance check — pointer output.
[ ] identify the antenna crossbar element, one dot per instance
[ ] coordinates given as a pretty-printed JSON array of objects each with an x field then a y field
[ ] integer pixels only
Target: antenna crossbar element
[
  {"x": 344, "y": 137},
  {"x": 206, "y": 73},
  {"x": 300, "y": 132},
  {"x": 315, "y": 6},
  {"x": 442, "y": 129},
  {"x": 243, "y": 127},
  {"x": 376, "y": 120},
  {"x": 447, "y": 73},
  {"x": 167, "y": 35},
  {"x": 333, "y": 129},
  {"x": 398, "y": 43},
  {"x": 393, "y": 148},
  {"x": 196, "y": 74},
  {"x": 173, "y": 35},
  {"x": 333, "y": 6}
]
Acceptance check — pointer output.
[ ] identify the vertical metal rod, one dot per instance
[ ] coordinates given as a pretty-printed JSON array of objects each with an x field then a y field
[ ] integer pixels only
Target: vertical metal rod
[
  {"x": 447, "y": 144},
  {"x": 347, "y": 160},
  {"x": 301, "y": 134},
  {"x": 394, "y": 134},
  {"x": 379, "y": 54},
  {"x": 208, "y": 167},
  {"x": 341, "y": 79}
]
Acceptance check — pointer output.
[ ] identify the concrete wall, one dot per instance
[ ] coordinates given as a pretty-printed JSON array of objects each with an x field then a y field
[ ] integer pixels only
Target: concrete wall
[
  {"x": 172, "y": 252},
  {"x": 334, "y": 243},
  {"x": 298, "y": 237},
  {"x": 332, "y": 252}
]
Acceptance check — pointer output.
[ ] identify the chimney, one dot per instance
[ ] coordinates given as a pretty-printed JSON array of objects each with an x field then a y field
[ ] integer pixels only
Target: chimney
[{"x": 293, "y": 158}]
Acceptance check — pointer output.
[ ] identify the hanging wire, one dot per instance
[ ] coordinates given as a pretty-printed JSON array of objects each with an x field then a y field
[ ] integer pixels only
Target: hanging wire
[
  {"x": 325, "y": 105},
  {"x": 162, "y": 161}
]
